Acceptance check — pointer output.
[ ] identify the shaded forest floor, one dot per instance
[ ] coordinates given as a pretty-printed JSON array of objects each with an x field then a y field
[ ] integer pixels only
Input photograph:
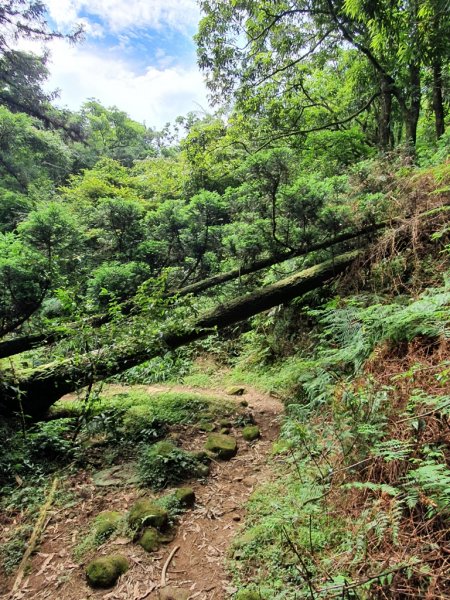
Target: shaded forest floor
[{"x": 202, "y": 535}]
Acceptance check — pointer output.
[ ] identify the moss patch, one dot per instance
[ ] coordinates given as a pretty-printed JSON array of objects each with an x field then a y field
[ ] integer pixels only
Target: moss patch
[{"x": 248, "y": 595}]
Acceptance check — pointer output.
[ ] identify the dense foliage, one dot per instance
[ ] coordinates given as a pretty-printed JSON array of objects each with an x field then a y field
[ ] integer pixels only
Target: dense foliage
[{"x": 331, "y": 134}]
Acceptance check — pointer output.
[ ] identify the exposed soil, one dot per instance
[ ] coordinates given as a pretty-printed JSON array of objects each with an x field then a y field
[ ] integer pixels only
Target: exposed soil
[{"x": 203, "y": 535}]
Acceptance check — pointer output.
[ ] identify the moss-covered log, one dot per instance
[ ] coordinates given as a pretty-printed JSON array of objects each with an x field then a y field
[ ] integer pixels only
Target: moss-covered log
[{"x": 35, "y": 390}]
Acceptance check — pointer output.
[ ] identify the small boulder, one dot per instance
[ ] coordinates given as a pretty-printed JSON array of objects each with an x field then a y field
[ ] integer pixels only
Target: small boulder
[
  {"x": 185, "y": 496},
  {"x": 226, "y": 423},
  {"x": 236, "y": 391},
  {"x": 150, "y": 540},
  {"x": 174, "y": 593},
  {"x": 105, "y": 571},
  {"x": 223, "y": 446},
  {"x": 146, "y": 512},
  {"x": 251, "y": 433}
]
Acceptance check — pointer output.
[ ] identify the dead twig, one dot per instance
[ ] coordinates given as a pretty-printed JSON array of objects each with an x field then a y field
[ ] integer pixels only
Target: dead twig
[
  {"x": 166, "y": 566},
  {"x": 37, "y": 532}
]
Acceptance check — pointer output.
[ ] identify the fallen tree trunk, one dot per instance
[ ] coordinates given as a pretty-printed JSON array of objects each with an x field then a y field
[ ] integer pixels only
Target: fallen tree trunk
[
  {"x": 34, "y": 391},
  {"x": 24, "y": 343},
  {"x": 21, "y": 344}
]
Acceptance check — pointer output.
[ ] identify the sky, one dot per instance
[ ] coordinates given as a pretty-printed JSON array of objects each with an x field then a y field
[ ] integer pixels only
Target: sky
[{"x": 137, "y": 55}]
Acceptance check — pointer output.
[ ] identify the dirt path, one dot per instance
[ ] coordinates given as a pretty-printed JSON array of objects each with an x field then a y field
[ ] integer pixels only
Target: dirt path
[{"x": 203, "y": 535}]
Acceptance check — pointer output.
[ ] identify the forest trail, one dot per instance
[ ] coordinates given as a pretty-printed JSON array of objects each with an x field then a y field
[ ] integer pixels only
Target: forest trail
[{"x": 203, "y": 535}]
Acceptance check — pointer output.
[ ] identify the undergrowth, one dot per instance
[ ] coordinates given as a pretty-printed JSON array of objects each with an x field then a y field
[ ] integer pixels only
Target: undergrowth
[{"x": 361, "y": 506}]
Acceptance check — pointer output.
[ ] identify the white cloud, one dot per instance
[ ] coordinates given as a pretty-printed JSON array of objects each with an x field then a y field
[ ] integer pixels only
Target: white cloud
[
  {"x": 119, "y": 15},
  {"x": 156, "y": 96}
]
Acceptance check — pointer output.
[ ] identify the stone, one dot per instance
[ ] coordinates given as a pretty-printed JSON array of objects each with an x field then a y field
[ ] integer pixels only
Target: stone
[
  {"x": 251, "y": 433},
  {"x": 105, "y": 571},
  {"x": 243, "y": 403},
  {"x": 236, "y": 391},
  {"x": 174, "y": 593},
  {"x": 150, "y": 540},
  {"x": 205, "y": 426},
  {"x": 106, "y": 523},
  {"x": 201, "y": 456},
  {"x": 119, "y": 475},
  {"x": 185, "y": 496},
  {"x": 226, "y": 423},
  {"x": 223, "y": 446},
  {"x": 146, "y": 512}
]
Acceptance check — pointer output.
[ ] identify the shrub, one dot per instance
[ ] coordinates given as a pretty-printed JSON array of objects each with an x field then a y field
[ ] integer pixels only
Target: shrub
[{"x": 164, "y": 464}]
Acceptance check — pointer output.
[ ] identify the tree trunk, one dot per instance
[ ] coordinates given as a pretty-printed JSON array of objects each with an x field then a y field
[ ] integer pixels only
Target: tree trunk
[
  {"x": 413, "y": 112},
  {"x": 438, "y": 99},
  {"x": 32, "y": 392},
  {"x": 384, "y": 122}
]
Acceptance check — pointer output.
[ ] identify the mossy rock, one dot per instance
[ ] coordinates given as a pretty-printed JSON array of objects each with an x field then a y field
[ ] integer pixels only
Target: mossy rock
[
  {"x": 235, "y": 390},
  {"x": 150, "y": 540},
  {"x": 223, "y": 446},
  {"x": 225, "y": 423},
  {"x": 146, "y": 512},
  {"x": 105, "y": 571},
  {"x": 185, "y": 496},
  {"x": 118, "y": 475},
  {"x": 205, "y": 426},
  {"x": 106, "y": 523},
  {"x": 174, "y": 593},
  {"x": 251, "y": 433}
]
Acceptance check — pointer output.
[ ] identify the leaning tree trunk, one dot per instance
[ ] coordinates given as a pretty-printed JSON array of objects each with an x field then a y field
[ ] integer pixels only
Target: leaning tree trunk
[{"x": 32, "y": 392}]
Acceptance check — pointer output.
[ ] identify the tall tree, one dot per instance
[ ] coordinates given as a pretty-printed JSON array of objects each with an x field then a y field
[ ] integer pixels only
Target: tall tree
[
  {"x": 22, "y": 74},
  {"x": 261, "y": 53}
]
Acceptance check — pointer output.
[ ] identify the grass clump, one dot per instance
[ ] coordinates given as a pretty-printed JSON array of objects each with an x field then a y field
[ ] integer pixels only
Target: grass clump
[{"x": 164, "y": 464}]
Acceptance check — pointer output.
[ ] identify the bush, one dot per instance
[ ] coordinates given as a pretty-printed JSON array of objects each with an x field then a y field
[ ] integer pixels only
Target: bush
[
  {"x": 164, "y": 464},
  {"x": 52, "y": 440}
]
